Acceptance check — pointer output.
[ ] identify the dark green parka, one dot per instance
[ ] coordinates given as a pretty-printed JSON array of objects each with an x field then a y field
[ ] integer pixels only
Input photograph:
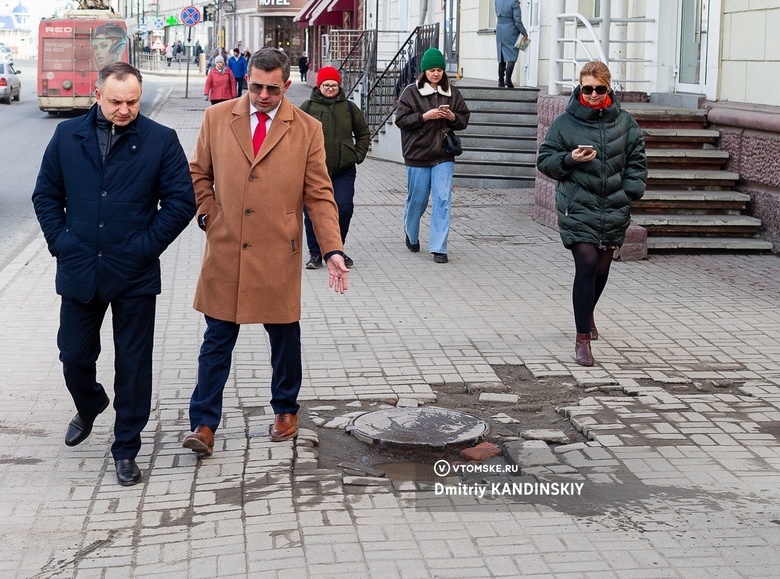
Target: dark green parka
[
  {"x": 347, "y": 135},
  {"x": 593, "y": 199}
]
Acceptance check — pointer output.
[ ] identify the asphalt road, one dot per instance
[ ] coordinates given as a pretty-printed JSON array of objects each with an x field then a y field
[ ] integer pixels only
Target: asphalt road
[{"x": 24, "y": 133}]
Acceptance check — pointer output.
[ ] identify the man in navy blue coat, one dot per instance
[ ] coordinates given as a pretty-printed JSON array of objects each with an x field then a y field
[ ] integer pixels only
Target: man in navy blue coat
[{"x": 114, "y": 190}]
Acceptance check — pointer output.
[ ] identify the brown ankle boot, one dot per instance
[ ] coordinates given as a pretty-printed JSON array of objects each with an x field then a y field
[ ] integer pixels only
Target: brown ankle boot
[
  {"x": 582, "y": 354},
  {"x": 594, "y": 333}
]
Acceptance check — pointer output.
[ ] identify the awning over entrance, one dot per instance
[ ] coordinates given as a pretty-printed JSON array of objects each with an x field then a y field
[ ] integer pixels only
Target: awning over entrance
[{"x": 323, "y": 12}]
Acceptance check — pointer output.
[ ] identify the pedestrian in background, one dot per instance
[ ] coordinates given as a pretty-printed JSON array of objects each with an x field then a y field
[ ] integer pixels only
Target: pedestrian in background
[
  {"x": 347, "y": 137},
  {"x": 220, "y": 83},
  {"x": 169, "y": 54},
  {"x": 237, "y": 65},
  {"x": 425, "y": 110},
  {"x": 596, "y": 153},
  {"x": 257, "y": 162},
  {"x": 112, "y": 193},
  {"x": 509, "y": 26},
  {"x": 303, "y": 66},
  {"x": 212, "y": 59}
]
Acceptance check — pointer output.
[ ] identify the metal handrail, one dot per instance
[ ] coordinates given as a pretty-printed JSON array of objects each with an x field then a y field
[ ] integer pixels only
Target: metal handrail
[
  {"x": 379, "y": 102},
  {"x": 379, "y": 91}
]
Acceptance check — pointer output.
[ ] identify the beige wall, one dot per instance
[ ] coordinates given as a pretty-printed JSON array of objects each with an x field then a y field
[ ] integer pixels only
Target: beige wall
[{"x": 750, "y": 57}]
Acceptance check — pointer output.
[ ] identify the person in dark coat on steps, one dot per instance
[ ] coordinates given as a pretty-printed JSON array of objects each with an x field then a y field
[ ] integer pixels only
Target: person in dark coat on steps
[{"x": 596, "y": 153}]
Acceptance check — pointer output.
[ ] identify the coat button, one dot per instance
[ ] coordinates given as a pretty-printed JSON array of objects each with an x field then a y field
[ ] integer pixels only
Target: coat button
[
  {"x": 100, "y": 224},
  {"x": 248, "y": 212},
  {"x": 100, "y": 254},
  {"x": 103, "y": 193},
  {"x": 245, "y": 246},
  {"x": 252, "y": 177}
]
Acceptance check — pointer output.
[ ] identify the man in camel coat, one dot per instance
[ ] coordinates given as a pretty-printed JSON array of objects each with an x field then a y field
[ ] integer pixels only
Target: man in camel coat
[{"x": 258, "y": 160}]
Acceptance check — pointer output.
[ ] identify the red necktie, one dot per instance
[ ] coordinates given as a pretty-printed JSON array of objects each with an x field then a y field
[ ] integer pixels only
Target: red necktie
[{"x": 259, "y": 136}]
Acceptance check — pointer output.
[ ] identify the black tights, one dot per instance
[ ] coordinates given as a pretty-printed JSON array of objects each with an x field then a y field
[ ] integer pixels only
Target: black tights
[{"x": 591, "y": 270}]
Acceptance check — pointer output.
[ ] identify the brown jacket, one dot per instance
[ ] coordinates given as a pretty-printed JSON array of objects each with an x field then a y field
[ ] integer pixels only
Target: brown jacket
[{"x": 251, "y": 271}]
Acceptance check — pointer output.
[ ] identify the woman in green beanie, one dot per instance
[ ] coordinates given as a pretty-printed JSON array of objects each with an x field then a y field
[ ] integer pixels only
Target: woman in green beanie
[{"x": 426, "y": 109}]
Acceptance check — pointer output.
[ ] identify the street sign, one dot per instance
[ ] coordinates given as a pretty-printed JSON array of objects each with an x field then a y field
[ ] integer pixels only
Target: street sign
[
  {"x": 158, "y": 23},
  {"x": 190, "y": 16}
]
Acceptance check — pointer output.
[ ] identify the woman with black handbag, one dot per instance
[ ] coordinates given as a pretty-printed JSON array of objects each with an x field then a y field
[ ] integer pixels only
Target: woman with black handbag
[{"x": 427, "y": 109}]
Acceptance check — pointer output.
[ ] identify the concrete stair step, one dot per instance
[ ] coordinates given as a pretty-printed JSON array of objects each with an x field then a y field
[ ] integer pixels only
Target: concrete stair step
[
  {"x": 670, "y": 224},
  {"x": 661, "y": 201},
  {"x": 696, "y": 159},
  {"x": 498, "y": 142},
  {"x": 692, "y": 179},
  {"x": 494, "y": 155},
  {"x": 501, "y": 129},
  {"x": 708, "y": 243},
  {"x": 468, "y": 167},
  {"x": 490, "y": 181},
  {"x": 501, "y": 117},
  {"x": 527, "y": 94},
  {"x": 501, "y": 106},
  {"x": 653, "y": 115},
  {"x": 679, "y": 138}
]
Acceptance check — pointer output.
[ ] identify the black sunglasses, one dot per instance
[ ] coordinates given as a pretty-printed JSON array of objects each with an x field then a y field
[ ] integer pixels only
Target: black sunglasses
[
  {"x": 272, "y": 89},
  {"x": 601, "y": 89}
]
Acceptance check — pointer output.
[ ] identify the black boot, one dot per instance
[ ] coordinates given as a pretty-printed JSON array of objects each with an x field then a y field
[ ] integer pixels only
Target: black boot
[
  {"x": 510, "y": 67},
  {"x": 501, "y": 72}
]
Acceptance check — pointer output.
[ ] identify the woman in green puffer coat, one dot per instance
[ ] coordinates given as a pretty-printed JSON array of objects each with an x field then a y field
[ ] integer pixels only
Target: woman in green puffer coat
[{"x": 596, "y": 153}]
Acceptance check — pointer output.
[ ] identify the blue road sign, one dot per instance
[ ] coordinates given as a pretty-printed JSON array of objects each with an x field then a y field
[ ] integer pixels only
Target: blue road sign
[{"x": 190, "y": 16}]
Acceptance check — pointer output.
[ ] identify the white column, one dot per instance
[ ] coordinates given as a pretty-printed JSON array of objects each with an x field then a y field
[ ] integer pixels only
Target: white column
[{"x": 556, "y": 48}]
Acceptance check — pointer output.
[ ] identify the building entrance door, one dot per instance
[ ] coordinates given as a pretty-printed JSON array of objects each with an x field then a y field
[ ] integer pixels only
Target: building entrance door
[
  {"x": 693, "y": 24},
  {"x": 451, "y": 34}
]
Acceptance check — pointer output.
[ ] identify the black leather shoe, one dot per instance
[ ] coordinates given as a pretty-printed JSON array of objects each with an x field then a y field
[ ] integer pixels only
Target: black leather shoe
[
  {"x": 348, "y": 261},
  {"x": 127, "y": 472},
  {"x": 79, "y": 429},
  {"x": 413, "y": 247},
  {"x": 440, "y": 258}
]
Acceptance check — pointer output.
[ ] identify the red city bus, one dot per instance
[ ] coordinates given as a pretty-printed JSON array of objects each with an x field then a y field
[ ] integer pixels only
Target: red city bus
[{"x": 71, "y": 49}]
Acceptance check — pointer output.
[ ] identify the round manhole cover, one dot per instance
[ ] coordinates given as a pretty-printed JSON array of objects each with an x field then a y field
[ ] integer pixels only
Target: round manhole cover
[{"x": 426, "y": 426}]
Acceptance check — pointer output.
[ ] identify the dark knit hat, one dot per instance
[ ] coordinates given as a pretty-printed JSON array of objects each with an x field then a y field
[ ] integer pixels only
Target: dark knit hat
[
  {"x": 328, "y": 73},
  {"x": 433, "y": 58}
]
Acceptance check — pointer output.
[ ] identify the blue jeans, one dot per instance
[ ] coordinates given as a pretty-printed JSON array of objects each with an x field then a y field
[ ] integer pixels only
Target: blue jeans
[{"x": 435, "y": 182}]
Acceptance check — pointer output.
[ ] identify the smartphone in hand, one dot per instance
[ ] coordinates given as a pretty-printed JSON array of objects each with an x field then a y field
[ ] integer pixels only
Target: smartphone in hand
[
  {"x": 585, "y": 147},
  {"x": 445, "y": 107}
]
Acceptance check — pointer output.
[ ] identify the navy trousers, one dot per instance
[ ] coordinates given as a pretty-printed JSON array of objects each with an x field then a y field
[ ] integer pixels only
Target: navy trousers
[
  {"x": 214, "y": 361},
  {"x": 344, "y": 194},
  {"x": 78, "y": 340}
]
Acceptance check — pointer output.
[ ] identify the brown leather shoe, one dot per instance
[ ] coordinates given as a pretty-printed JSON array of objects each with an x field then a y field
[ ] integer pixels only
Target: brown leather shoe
[
  {"x": 594, "y": 333},
  {"x": 285, "y": 427},
  {"x": 200, "y": 440},
  {"x": 582, "y": 354}
]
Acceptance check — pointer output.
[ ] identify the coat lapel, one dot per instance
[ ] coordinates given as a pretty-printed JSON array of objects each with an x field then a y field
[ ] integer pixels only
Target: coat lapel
[
  {"x": 242, "y": 127},
  {"x": 89, "y": 143}
]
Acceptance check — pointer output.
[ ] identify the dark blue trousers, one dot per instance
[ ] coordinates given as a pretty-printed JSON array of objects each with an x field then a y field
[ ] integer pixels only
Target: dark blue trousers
[
  {"x": 79, "y": 342},
  {"x": 344, "y": 194},
  {"x": 214, "y": 361}
]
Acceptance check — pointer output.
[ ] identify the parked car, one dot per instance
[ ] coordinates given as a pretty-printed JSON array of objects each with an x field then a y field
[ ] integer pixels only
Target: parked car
[
  {"x": 10, "y": 86},
  {"x": 6, "y": 54}
]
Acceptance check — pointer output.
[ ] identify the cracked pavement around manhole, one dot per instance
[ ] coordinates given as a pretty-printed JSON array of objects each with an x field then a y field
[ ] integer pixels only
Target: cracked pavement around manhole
[{"x": 666, "y": 459}]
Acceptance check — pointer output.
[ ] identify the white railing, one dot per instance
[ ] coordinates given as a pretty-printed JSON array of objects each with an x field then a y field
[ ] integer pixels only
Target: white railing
[{"x": 569, "y": 52}]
